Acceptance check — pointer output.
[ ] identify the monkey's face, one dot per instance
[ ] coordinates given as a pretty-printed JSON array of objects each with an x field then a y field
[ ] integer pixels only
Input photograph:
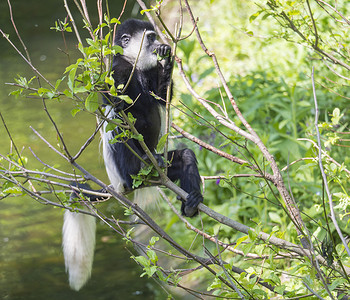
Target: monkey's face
[{"x": 140, "y": 46}]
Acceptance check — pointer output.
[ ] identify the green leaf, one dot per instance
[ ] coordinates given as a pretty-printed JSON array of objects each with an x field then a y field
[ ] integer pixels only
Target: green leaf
[
  {"x": 145, "y": 10},
  {"x": 153, "y": 240},
  {"x": 336, "y": 116},
  {"x": 162, "y": 142},
  {"x": 136, "y": 183},
  {"x": 75, "y": 111},
  {"x": 117, "y": 50},
  {"x": 142, "y": 261},
  {"x": 252, "y": 234},
  {"x": 145, "y": 170},
  {"x": 151, "y": 270},
  {"x": 13, "y": 190},
  {"x": 131, "y": 118},
  {"x": 58, "y": 82},
  {"x": 68, "y": 93},
  {"x": 16, "y": 93},
  {"x": 115, "y": 20},
  {"x": 110, "y": 127},
  {"x": 71, "y": 78},
  {"x": 43, "y": 91},
  {"x": 109, "y": 80},
  {"x": 128, "y": 212},
  {"x": 91, "y": 102},
  {"x": 274, "y": 217},
  {"x": 240, "y": 240},
  {"x": 280, "y": 289},
  {"x": 113, "y": 91},
  {"x": 138, "y": 137},
  {"x": 254, "y": 16},
  {"x": 126, "y": 98},
  {"x": 152, "y": 256},
  {"x": 80, "y": 89}
]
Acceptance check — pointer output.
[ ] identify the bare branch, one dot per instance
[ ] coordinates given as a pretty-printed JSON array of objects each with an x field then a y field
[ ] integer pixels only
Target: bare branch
[{"x": 250, "y": 135}]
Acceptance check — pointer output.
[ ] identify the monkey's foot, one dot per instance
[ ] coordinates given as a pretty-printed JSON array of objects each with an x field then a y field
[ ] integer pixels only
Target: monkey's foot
[{"x": 189, "y": 209}]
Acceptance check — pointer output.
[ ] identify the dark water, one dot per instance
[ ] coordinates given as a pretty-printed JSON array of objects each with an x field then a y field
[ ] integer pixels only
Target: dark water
[{"x": 31, "y": 261}]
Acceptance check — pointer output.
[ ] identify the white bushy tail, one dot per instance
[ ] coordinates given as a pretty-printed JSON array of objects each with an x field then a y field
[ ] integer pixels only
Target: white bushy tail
[{"x": 78, "y": 242}]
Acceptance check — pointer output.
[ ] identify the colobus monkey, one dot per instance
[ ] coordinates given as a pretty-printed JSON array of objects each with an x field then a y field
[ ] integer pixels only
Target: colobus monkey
[{"x": 150, "y": 77}]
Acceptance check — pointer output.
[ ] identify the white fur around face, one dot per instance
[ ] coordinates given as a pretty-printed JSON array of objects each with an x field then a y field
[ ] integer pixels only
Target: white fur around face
[{"x": 146, "y": 59}]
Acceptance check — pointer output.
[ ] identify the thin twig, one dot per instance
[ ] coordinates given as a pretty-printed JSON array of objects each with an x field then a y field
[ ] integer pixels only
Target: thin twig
[
  {"x": 335, "y": 10},
  {"x": 89, "y": 140},
  {"x": 26, "y": 60},
  {"x": 220, "y": 152},
  {"x": 313, "y": 24},
  {"x": 12, "y": 140},
  {"x": 73, "y": 23},
  {"x": 325, "y": 154},
  {"x": 324, "y": 176},
  {"x": 312, "y": 291},
  {"x": 15, "y": 28}
]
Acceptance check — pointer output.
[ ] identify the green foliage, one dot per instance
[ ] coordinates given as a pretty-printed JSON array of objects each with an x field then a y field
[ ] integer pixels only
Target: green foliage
[
  {"x": 270, "y": 81},
  {"x": 146, "y": 173},
  {"x": 266, "y": 53},
  {"x": 153, "y": 7},
  {"x": 150, "y": 267},
  {"x": 87, "y": 78},
  {"x": 23, "y": 83},
  {"x": 62, "y": 26},
  {"x": 161, "y": 143}
]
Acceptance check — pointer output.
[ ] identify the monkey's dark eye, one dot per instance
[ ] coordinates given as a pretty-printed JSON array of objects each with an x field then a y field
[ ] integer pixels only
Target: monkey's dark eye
[
  {"x": 125, "y": 39},
  {"x": 151, "y": 37}
]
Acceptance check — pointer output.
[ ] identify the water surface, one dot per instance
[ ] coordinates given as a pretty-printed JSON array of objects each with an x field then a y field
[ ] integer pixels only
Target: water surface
[{"x": 31, "y": 261}]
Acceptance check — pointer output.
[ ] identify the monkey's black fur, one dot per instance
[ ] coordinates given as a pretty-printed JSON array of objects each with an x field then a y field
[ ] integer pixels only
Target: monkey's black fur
[{"x": 150, "y": 76}]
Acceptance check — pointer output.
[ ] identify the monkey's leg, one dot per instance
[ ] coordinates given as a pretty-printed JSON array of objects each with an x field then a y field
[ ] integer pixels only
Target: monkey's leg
[{"x": 184, "y": 168}]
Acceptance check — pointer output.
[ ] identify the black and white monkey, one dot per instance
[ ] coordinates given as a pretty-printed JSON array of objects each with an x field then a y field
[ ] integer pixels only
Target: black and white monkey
[{"x": 151, "y": 76}]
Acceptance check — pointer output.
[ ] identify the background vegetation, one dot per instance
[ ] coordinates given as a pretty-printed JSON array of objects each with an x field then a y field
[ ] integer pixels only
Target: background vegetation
[{"x": 262, "y": 89}]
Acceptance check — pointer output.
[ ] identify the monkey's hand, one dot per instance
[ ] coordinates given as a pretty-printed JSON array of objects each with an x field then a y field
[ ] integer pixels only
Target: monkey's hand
[{"x": 163, "y": 52}]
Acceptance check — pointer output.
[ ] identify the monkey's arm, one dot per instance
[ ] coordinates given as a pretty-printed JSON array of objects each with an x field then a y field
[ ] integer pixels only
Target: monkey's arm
[
  {"x": 122, "y": 74},
  {"x": 184, "y": 168}
]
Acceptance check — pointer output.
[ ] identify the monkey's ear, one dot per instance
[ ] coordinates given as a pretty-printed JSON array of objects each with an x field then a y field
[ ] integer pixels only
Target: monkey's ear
[{"x": 125, "y": 39}]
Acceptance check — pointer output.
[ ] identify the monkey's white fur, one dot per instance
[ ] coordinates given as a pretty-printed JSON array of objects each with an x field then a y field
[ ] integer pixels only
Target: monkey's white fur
[
  {"x": 111, "y": 168},
  {"x": 78, "y": 242},
  {"x": 145, "y": 60}
]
